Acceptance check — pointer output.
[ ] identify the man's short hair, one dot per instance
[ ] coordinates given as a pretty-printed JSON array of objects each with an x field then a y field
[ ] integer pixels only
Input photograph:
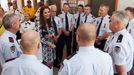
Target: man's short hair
[
  {"x": 7, "y": 21},
  {"x": 29, "y": 40},
  {"x": 121, "y": 16},
  {"x": 53, "y": 6},
  {"x": 88, "y": 5},
  {"x": 29, "y": 1},
  {"x": 80, "y": 6},
  {"x": 105, "y": 5},
  {"x": 15, "y": 1},
  {"x": 131, "y": 9},
  {"x": 87, "y": 34},
  {"x": 66, "y": 4}
]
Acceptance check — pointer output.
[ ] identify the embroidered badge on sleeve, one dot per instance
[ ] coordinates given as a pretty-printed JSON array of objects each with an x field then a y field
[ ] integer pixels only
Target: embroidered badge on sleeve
[
  {"x": 12, "y": 49},
  {"x": 117, "y": 49},
  {"x": 11, "y": 39}
]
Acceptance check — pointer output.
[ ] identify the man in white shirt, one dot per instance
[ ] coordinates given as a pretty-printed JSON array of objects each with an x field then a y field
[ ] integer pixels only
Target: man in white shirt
[
  {"x": 130, "y": 26},
  {"x": 27, "y": 24},
  {"x": 78, "y": 18},
  {"x": 102, "y": 24},
  {"x": 66, "y": 35},
  {"x": 9, "y": 47},
  {"x": 27, "y": 64},
  {"x": 57, "y": 25},
  {"x": 88, "y": 17},
  {"x": 120, "y": 44},
  {"x": 88, "y": 60},
  {"x": 16, "y": 11}
]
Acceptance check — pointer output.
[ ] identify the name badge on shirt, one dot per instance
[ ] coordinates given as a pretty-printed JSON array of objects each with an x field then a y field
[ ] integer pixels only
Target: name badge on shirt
[
  {"x": 130, "y": 31},
  {"x": 104, "y": 25},
  {"x": 97, "y": 22}
]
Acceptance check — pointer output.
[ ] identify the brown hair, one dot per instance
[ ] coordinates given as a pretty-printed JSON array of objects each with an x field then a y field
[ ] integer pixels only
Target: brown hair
[
  {"x": 130, "y": 9},
  {"x": 105, "y": 5},
  {"x": 42, "y": 18},
  {"x": 66, "y": 4}
]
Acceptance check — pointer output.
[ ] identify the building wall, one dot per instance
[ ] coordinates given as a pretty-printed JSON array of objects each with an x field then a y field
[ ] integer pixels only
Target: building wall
[
  {"x": 19, "y": 4},
  {"x": 4, "y": 4},
  {"x": 122, "y": 4}
]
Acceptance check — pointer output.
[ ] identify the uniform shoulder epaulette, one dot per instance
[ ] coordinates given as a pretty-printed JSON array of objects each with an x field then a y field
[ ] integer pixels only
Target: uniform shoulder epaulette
[
  {"x": 119, "y": 39},
  {"x": 69, "y": 57}
]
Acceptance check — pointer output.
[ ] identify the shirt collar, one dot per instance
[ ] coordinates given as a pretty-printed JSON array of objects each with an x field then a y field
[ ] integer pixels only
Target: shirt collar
[
  {"x": 53, "y": 16},
  {"x": 80, "y": 13},
  {"x": 107, "y": 16},
  {"x": 15, "y": 9},
  {"x": 11, "y": 34},
  {"x": 89, "y": 15},
  {"x": 119, "y": 32},
  {"x": 86, "y": 48},
  {"x": 28, "y": 21},
  {"x": 132, "y": 20},
  {"x": 23, "y": 56},
  {"x": 65, "y": 13}
]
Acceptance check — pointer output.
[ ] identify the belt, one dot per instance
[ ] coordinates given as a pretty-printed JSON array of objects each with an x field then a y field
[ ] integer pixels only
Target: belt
[{"x": 50, "y": 65}]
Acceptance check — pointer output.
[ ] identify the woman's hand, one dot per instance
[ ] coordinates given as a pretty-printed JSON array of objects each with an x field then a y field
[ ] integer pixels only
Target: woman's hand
[
  {"x": 50, "y": 44},
  {"x": 48, "y": 36}
]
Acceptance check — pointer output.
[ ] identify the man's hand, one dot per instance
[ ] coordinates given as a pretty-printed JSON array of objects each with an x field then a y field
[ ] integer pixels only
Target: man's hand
[
  {"x": 50, "y": 44},
  {"x": 121, "y": 69}
]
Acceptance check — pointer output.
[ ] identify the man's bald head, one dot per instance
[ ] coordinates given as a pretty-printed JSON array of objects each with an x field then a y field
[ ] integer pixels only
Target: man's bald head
[
  {"x": 86, "y": 32},
  {"x": 30, "y": 41}
]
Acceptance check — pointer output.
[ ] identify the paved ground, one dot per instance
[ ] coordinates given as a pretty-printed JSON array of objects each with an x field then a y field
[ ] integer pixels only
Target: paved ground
[{"x": 64, "y": 56}]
